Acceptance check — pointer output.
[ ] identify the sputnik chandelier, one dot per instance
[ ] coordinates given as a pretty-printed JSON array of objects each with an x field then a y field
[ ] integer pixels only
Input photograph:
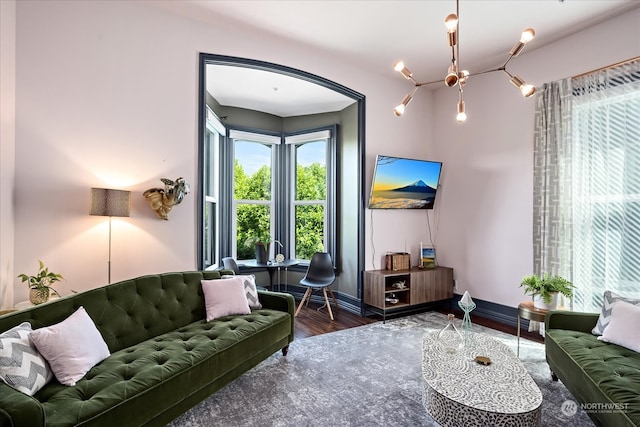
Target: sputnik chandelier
[{"x": 457, "y": 77}]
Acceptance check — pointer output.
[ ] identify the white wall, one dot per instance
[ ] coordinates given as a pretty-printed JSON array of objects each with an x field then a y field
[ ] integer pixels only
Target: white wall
[
  {"x": 7, "y": 147},
  {"x": 486, "y": 197},
  {"x": 107, "y": 97}
]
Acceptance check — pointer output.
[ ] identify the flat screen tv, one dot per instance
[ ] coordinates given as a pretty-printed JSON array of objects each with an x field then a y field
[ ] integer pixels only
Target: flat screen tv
[{"x": 400, "y": 183}]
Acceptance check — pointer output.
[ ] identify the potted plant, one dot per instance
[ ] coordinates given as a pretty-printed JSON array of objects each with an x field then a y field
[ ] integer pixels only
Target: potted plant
[
  {"x": 261, "y": 242},
  {"x": 545, "y": 289},
  {"x": 40, "y": 284}
]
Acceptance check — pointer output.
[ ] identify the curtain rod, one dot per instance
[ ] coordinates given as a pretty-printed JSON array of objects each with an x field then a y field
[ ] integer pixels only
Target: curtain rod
[{"x": 617, "y": 64}]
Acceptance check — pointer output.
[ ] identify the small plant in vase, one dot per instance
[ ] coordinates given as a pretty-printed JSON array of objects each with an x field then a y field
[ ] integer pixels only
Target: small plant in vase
[
  {"x": 40, "y": 284},
  {"x": 261, "y": 243},
  {"x": 545, "y": 289}
]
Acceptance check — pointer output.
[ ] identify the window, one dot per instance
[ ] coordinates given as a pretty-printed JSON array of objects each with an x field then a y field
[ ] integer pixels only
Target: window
[
  {"x": 283, "y": 188},
  {"x": 253, "y": 190},
  {"x": 606, "y": 186},
  {"x": 310, "y": 226},
  {"x": 214, "y": 131}
]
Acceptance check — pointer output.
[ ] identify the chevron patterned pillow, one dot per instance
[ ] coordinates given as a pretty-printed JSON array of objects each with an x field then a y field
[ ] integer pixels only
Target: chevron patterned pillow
[
  {"x": 21, "y": 365},
  {"x": 249, "y": 281},
  {"x": 607, "y": 306}
]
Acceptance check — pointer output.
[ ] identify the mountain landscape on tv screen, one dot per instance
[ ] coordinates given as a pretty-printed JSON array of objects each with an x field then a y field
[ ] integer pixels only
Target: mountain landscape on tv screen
[{"x": 416, "y": 195}]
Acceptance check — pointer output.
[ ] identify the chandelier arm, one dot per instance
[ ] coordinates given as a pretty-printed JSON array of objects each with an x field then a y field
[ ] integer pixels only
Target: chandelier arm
[
  {"x": 507, "y": 61},
  {"x": 486, "y": 72},
  {"x": 428, "y": 83}
]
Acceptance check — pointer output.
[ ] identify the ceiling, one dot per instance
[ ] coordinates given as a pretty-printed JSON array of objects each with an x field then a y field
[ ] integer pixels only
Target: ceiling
[{"x": 374, "y": 34}]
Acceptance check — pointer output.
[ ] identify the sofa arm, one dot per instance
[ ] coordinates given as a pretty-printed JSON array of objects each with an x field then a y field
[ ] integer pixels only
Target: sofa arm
[
  {"x": 570, "y": 320},
  {"x": 17, "y": 409},
  {"x": 279, "y": 301}
]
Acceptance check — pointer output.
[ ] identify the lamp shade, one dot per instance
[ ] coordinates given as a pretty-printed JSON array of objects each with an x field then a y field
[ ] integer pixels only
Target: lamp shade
[{"x": 106, "y": 202}]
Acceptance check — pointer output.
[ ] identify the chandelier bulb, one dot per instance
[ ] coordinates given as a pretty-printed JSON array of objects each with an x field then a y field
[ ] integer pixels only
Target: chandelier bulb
[
  {"x": 451, "y": 22},
  {"x": 461, "y": 116},
  {"x": 527, "y": 90},
  {"x": 399, "y": 110},
  {"x": 527, "y": 35},
  {"x": 402, "y": 69}
]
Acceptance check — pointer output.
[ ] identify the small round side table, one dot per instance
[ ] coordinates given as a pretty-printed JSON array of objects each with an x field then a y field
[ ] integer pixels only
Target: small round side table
[{"x": 526, "y": 310}]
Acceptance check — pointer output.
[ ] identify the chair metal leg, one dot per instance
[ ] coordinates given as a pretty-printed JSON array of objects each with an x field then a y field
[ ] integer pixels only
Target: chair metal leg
[
  {"x": 307, "y": 296},
  {"x": 326, "y": 298}
]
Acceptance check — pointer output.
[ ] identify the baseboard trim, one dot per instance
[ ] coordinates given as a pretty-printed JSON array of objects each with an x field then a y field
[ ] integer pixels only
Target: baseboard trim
[{"x": 490, "y": 310}]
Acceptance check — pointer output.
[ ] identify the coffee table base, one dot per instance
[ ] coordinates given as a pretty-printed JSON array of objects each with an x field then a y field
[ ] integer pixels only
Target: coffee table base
[{"x": 453, "y": 414}]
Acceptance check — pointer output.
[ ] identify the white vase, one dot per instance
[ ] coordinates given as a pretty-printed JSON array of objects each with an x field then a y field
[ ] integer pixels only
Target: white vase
[{"x": 539, "y": 303}]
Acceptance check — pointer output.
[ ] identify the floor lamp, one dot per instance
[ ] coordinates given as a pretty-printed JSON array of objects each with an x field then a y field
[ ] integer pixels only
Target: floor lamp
[{"x": 106, "y": 202}]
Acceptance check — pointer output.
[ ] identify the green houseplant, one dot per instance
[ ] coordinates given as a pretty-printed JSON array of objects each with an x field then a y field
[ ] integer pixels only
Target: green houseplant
[
  {"x": 40, "y": 284},
  {"x": 546, "y": 288},
  {"x": 261, "y": 242}
]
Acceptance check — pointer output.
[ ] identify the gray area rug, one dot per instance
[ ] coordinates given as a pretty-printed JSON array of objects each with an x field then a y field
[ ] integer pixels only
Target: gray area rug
[{"x": 365, "y": 376}]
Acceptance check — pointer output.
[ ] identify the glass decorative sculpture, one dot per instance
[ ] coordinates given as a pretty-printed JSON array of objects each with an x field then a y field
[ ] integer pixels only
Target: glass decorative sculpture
[
  {"x": 467, "y": 305},
  {"x": 450, "y": 337}
]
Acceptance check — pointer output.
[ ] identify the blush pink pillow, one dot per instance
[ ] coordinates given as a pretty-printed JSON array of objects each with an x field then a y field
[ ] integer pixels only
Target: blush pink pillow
[
  {"x": 72, "y": 347},
  {"x": 224, "y": 297}
]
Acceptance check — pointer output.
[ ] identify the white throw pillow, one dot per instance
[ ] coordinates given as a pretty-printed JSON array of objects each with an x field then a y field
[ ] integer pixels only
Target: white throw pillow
[
  {"x": 623, "y": 326},
  {"x": 21, "y": 366},
  {"x": 223, "y": 297},
  {"x": 250, "y": 289},
  {"x": 609, "y": 299},
  {"x": 72, "y": 347}
]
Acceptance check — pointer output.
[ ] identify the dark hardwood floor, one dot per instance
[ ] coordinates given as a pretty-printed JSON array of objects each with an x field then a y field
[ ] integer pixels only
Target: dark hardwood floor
[{"x": 312, "y": 321}]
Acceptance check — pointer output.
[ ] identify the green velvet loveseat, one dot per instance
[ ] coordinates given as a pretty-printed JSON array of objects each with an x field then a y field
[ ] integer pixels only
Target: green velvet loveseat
[
  {"x": 604, "y": 378},
  {"x": 165, "y": 357}
]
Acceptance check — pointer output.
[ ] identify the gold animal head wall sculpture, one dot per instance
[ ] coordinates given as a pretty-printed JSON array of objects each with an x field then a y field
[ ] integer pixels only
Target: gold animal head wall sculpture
[{"x": 162, "y": 200}]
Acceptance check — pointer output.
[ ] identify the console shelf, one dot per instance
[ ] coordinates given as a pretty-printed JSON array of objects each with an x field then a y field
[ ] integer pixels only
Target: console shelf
[{"x": 388, "y": 290}]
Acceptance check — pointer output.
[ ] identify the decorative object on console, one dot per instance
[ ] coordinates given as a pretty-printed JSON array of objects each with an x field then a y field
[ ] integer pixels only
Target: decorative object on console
[
  {"x": 456, "y": 75},
  {"x": 427, "y": 257},
  {"x": 545, "y": 289},
  {"x": 397, "y": 261},
  {"x": 162, "y": 200},
  {"x": 40, "y": 284},
  {"x": 107, "y": 202},
  {"x": 467, "y": 305}
]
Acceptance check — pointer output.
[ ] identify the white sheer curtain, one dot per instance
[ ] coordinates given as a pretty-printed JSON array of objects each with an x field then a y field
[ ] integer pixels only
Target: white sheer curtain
[
  {"x": 587, "y": 183},
  {"x": 606, "y": 184}
]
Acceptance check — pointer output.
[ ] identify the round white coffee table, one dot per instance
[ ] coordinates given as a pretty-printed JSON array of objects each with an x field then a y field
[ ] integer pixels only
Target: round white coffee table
[{"x": 460, "y": 392}]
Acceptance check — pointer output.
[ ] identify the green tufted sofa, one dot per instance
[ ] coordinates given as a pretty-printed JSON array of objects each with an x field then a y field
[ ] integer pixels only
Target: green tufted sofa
[
  {"x": 165, "y": 357},
  {"x": 603, "y": 377}
]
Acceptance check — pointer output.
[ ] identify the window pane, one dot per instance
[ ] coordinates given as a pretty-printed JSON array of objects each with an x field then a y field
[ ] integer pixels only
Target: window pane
[
  {"x": 210, "y": 163},
  {"x": 309, "y": 230},
  {"x": 209, "y": 234},
  {"x": 252, "y": 171},
  {"x": 252, "y": 220},
  {"x": 311, "y": 171}
]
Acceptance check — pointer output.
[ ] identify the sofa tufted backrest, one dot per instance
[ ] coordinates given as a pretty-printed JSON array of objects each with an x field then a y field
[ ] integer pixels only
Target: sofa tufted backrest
[{"x": 130, "y": 311}]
